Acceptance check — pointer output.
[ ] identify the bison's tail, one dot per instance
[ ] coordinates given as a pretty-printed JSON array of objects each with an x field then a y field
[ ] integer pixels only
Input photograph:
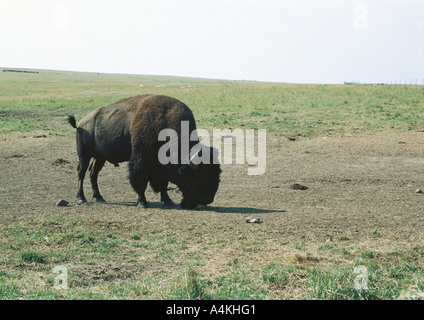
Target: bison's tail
[{"x": 72, "y": 121}]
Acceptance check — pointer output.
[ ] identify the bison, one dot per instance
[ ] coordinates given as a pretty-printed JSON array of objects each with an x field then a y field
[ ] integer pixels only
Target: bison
[{"x": 128, "y": 130}]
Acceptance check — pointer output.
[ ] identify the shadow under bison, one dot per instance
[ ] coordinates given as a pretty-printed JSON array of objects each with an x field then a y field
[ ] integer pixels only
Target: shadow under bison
[{"x": 241, "y": 210}]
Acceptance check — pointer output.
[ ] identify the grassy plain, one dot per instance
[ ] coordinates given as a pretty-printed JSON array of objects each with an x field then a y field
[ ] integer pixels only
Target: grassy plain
[
  {"x": 39, "y": 101},
  {"x": 115, "y": 257}
]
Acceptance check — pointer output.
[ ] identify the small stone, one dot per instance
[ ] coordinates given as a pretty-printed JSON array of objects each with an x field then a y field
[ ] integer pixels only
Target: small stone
[
  {"x": 419, "y": 191},
  {"x": 297, "y": 186},
  {"x": 253, "y": 220},
  {"x": 62, "y": 203}
]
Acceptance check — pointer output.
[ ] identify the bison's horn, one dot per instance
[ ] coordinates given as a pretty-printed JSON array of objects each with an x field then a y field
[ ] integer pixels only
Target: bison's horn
[{"x": 195, "y": 156}]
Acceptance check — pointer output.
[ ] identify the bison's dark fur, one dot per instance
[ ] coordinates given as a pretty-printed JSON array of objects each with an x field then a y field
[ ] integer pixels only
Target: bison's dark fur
[{"x": 128, "y": 130}]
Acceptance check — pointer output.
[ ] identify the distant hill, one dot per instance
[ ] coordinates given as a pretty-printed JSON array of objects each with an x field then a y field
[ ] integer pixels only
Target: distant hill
[{"x": 87, "y": 76}]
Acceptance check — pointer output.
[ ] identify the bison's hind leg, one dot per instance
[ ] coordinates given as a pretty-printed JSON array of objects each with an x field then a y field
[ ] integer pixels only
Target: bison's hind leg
[
  {"x": 84, "y": 156},
  {"x": 82, "y": 169},
  {"x": 95, "y": 168}
]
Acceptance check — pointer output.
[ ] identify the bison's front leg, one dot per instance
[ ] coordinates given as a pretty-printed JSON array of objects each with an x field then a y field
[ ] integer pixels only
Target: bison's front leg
[
  {"x": 159, "y": 183},
  {"x": 164, "y": 197},
  {"x": 138, "y": 181},
  {"x": 142, "y": 202},
  {"x": 140, "y": 187}
]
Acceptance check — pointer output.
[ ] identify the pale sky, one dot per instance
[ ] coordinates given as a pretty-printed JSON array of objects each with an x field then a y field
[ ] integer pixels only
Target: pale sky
[{"x": 298, "y": 41}]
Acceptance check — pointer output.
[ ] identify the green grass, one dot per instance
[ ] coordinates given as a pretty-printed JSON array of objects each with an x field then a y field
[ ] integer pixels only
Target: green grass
[
  {"x": 42, "y": 101},
  {"x": 384, "y": 283},
  {"x": 401, "y": 281},
  {"x": 120, "y": 262},
  {"x": 31, "y": 256}
]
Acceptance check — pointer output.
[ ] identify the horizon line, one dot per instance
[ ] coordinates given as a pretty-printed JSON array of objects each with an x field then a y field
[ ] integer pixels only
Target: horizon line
[{"x": 206, "y": 79}]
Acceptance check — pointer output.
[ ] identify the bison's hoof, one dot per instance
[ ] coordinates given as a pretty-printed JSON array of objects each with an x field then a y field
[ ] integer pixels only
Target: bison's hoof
[
  {"x": 81, "y": 201},
  {"x": 100, "y": 199},
  {"x": 169, "y": 203},
  {"x": 142, "y": 205}
]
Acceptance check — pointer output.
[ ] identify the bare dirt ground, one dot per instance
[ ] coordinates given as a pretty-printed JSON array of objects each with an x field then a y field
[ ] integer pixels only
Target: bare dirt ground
[{"x": 355, "y": 185}]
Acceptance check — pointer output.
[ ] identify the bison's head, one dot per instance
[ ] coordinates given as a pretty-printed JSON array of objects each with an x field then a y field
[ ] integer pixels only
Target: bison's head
[{"x": 199, "y": 182}]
